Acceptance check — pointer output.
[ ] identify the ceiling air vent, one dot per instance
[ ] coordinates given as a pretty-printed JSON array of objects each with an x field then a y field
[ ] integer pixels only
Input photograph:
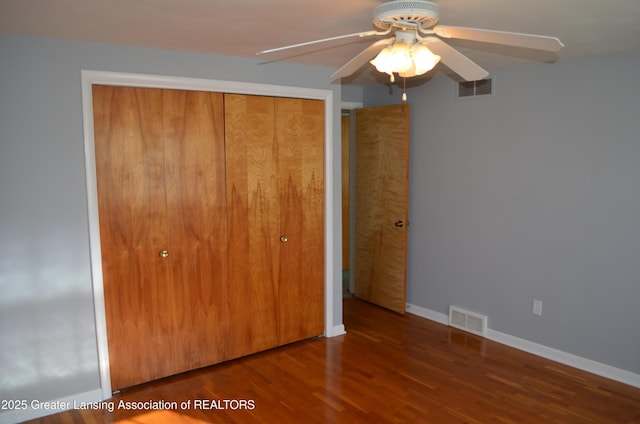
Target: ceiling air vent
[{"x": 481, "y": 87}]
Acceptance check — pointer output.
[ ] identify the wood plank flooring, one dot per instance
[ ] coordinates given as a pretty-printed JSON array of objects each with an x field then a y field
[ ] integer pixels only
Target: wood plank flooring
[{"x": 388, "y": 368}]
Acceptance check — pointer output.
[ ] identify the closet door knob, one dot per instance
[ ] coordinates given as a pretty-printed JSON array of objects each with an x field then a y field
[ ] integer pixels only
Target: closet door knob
[
  {"x": 284, "y": 239},
  {"x": 164, "y": 253}
]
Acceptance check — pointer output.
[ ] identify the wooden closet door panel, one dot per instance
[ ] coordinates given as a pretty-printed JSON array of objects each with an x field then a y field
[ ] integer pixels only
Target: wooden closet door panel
[
  {"x": 161, "y": 184},
  {"x": 300, "y": 137},
  {"x": 133, "y": 227},
  {"x": 253, "y": 211},
  {"x": 196, "y": 210}
]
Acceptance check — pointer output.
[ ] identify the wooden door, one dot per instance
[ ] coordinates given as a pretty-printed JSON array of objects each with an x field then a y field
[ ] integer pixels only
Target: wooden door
[
  {"x": 346, "y": 146},
  {"x": 382, "y": 193},
  {"x": 160, "y": 177},
  {"x": 274, "y": 150}
]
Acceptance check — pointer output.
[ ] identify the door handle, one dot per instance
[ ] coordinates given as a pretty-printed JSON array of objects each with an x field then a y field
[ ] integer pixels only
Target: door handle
[
  {"x": 401, "y": 223},
  {"x": 284, "y": 239},
  {"x": 164, "y": 253}
]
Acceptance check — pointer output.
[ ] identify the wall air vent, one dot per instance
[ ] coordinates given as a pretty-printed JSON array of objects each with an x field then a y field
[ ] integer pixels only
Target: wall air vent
[
  {"x": 475, "y": 88},
  {"x": 467, "y": 321}
]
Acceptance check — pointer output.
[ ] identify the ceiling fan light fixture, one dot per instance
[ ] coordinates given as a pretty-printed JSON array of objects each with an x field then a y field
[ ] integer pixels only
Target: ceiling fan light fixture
[
  {"x": 407, "y": 61},
  {"x": 383, "y": 62},
  {"x": 396, "y": 58},
  {"x": 424, "y": 59},
  {"x": 401, "y": 57}
]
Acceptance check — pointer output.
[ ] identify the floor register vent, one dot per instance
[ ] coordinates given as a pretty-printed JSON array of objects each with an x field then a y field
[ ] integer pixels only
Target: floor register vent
[{"x": 467, "y": 321}]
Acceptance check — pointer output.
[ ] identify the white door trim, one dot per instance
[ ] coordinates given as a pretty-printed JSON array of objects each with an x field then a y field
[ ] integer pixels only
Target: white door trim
[{"x": 90, "y": 78}]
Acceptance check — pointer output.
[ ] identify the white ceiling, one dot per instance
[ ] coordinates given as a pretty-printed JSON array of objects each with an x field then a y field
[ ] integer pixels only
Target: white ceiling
[{"x": 245, "y": 27}]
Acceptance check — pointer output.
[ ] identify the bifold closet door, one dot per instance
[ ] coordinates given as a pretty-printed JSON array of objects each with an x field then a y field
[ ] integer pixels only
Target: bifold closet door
[
  {"x": 275, "y": 191},
  {"x": 162, "y": 203}
]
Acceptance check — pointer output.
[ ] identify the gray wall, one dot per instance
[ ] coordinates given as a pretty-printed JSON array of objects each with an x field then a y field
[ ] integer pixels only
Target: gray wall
[
  {"x": 352, "y": 93},
  {"x": 48, "y": 349},
  {"x": 533, "y": 192}
]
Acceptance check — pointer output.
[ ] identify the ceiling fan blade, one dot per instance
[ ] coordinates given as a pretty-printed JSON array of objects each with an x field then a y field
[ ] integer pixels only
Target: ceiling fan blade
[
  {"x": 530, "y": 41},
  {"x": 454, "y": 60},
  {"x": 308, "y": 43},
  {"x": 361, "y": 58}
]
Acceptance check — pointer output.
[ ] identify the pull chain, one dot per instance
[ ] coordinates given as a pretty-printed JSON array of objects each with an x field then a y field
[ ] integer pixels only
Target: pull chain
[{"x": 404, "y": 90}]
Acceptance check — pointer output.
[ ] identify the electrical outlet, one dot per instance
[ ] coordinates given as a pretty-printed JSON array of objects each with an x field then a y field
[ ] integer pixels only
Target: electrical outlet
[{"x": 537, "y": 307}]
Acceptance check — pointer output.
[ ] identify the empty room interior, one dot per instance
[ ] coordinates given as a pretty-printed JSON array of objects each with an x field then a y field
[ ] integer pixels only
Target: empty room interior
[{"x": 299, "y": 211}]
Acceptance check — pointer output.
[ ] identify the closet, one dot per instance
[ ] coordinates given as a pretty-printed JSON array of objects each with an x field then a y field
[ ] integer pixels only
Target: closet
[{"x": 211, "y": 226}]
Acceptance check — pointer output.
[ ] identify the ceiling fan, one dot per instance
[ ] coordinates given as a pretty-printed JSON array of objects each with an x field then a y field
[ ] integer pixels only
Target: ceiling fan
[{"x": 414, "y": 44}]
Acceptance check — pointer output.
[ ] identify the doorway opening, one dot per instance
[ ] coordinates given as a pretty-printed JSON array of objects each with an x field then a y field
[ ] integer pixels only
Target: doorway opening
[{"x": 347, "y": 121}]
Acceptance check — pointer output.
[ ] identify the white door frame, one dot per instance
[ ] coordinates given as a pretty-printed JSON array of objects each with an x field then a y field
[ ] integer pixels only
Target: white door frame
[{"x": 90, "y": 78}]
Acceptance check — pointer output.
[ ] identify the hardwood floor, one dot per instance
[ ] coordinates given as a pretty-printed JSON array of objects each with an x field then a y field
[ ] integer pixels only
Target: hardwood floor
[{"x": 388, "y": 368}]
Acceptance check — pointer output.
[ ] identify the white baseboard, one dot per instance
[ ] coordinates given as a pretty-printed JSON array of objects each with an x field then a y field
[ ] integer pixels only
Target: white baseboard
[
  {"x": 337, "y": 330},
  {"x": 38, "y": 408},
  {"x": 428, "y": 314},
  {"x": 607, "y": 371}
]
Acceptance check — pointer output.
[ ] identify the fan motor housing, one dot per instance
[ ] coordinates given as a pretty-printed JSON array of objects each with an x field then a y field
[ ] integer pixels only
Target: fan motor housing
[{"x": 424, "y": 13}]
